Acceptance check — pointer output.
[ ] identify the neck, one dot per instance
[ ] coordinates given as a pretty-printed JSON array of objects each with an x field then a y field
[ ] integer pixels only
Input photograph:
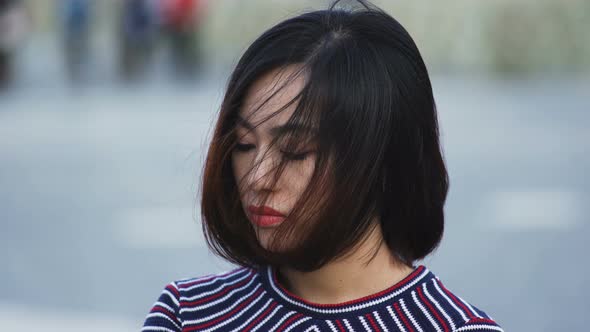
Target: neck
[{"x": 350, "y": 277}]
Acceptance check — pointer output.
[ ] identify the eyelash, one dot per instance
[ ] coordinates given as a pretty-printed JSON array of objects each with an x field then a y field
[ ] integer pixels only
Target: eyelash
[
  {"x": 292, "y": 156},
  {"x": 244, "y": 147}
]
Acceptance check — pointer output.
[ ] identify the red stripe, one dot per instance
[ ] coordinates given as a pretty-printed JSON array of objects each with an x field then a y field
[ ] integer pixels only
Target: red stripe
[
  {"x": 476, "y": 320},
  {"x": 226, "y": 316},
  {"x": 164, "y": 311},
  {"x": 214, "y": 296},
  {"x": 259, "y": 318},
  {"x": 372, "y": 322},
  {"x": 460, "y": 303},
  {"x": 173, "y": 290},
  {"x": 403, "y": 317},
  {"x": 400, "y": 284},
  {"x": 432, "y": 309},
  {"x": 289, "y": 321},
  {"x": 340, "y": 327}
]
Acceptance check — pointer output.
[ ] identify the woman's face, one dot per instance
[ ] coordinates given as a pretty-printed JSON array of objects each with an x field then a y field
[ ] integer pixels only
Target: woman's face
[{"x": 265, "y": 199}]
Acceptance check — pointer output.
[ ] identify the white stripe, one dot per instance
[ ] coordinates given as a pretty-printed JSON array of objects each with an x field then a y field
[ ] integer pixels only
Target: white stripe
[
  {"x": 348, "y": 325},
  {"x": 315, "y": 328},
  {"x": 253, "y": 316},
  {"x": 267, "y": 318},
  {"x": 426, "y": 313},
  {"x": 172, "y": 297},
  {"x": 218, "y": 289},
  {"x": 164, "y": 305},
  {"x": 470, "y": 307},
  {"x": 332, "y": 326},
  {"x": 290, "y": 313},
  {"x": 383, "y": 327},
  {"x": 229, "y": 320},
  {"x": 479, "y": 328},
  {"x": 209, "y": 282},
  {"x": 397, "y": 322},
  {"x": 228, "y": 295},
  {"x": 159, "y": 314},
  {"x": 438, "y": 306},
  {"x": 214, "y": 280},
  {"x": 217, "y": 314},
  {"x": 449, "y": 300},
  {"x": 348, "y": 309},
  {"x": 298, "y": 322},
  {"x": 157, "y": 329},
  {"x": 365, "y": 325},
  {"x": 409, "y": 315}
]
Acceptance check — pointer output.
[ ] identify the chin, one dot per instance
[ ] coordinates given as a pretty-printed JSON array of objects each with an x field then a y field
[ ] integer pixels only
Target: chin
[{"x": 265, "y": 242}]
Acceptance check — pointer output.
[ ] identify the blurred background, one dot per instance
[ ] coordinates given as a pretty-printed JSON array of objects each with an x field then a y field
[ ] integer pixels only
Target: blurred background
[{"x": 106, "y": 109}]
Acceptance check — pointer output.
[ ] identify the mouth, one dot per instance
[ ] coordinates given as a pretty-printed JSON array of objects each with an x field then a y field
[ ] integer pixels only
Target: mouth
[{"x": 264, "y": 216}]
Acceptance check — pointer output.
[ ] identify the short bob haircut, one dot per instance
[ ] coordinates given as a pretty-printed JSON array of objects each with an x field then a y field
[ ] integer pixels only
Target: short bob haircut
[{"x": 368, "y": 96}]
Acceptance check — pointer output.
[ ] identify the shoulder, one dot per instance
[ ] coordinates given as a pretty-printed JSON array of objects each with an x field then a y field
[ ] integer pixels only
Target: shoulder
[
  {"x": 211, "y": 284},
  {"x": 479, "y": 325},
  {"x": 433, "y": 305},
  {"x": 182, "y": 299}
]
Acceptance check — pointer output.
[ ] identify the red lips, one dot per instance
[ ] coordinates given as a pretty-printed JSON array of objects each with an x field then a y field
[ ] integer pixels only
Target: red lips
[
  {"x": 265, "y": 211},
  {"x": 264, "y": 216}
]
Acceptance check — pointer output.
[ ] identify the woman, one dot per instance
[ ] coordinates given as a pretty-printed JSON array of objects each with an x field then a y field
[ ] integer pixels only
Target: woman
[{"x": 325, "y": 182}]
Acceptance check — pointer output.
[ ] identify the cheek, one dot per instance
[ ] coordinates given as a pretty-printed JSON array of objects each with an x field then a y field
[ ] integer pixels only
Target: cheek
[
  {"x": 240, "y": 167},
  {"x": 299, "y": 174}
]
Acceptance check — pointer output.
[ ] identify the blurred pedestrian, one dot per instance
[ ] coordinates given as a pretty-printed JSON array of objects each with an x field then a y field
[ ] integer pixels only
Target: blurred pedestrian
[
  {"x": 180, "y": 24},
  {"x": 14, "y": 26},
  {"x": 75, "y": 18},
  {"x": 137, "y": 36}
]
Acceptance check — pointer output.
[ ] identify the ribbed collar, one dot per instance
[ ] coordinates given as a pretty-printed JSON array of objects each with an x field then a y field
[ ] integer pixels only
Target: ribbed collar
[{"x": 346, "y": 309}]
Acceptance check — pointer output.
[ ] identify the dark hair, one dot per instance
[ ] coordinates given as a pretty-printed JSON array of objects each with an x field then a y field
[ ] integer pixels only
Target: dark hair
[{"x": 368, "y": 94}]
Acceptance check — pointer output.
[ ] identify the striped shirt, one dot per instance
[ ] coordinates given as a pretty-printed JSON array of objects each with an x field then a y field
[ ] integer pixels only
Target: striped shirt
[{"x": 245, "y": 299}]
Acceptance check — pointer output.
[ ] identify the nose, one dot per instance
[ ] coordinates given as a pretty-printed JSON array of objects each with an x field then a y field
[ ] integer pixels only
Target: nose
[{"x": 262, "y": 175}]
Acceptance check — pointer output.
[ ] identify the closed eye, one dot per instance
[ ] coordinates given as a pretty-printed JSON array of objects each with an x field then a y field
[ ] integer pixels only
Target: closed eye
[
  {"x": 244, "y": 147},
  {"x": 295, "y": 156}
]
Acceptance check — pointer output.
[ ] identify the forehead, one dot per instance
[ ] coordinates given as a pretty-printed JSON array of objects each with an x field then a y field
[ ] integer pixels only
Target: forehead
[{"x": 269, "y": 94}]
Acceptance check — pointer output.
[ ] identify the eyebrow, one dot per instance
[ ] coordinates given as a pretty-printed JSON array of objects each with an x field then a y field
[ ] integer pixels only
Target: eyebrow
[{"x": 278, "y": 130}]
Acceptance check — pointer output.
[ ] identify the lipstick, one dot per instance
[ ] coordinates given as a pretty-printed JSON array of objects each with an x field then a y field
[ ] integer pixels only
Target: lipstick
[{"x": 264, "y": 216}]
